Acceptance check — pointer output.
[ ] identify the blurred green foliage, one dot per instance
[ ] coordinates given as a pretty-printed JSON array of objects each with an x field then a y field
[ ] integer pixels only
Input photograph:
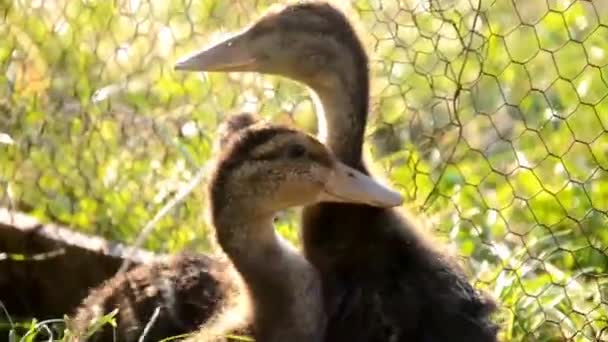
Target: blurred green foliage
[{"x": 491, "y": 117}]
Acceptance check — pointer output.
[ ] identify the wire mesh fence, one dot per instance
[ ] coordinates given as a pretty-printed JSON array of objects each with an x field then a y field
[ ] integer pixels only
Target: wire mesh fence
[{"x": 490, "y": 115}]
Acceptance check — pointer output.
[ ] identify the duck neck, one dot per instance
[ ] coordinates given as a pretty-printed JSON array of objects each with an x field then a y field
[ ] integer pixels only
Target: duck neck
[
  {"x": 342, "y": 108},
  {"x": 285, "y": 289},
  {"x": 249, "y": 242}
]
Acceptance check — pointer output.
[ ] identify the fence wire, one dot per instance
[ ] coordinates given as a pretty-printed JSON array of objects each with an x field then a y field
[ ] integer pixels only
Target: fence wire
[{"x": 490, "y": 115}]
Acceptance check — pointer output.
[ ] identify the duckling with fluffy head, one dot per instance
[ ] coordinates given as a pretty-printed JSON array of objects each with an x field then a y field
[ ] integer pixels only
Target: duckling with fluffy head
[
  {"x": 263, "y": 170},
  {"x": 383, "y": 280}
]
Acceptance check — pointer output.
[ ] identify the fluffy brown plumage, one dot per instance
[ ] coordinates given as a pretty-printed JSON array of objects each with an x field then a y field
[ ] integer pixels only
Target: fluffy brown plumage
[
  {"x": 382, "y": 279},
  {"x": 189, "y": 289},
  {"x": 231, "y": 125},
  {"x": 264, "y": 170}
]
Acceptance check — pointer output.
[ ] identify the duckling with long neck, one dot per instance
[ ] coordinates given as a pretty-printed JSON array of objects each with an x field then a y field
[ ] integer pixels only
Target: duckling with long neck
[
  {"x": 266, "y": 169},
  {"x": 382, "y": 279}
]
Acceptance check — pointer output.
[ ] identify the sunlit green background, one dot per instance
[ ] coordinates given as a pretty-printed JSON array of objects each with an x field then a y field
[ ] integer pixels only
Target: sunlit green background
[{"x": 491, "y": 117}]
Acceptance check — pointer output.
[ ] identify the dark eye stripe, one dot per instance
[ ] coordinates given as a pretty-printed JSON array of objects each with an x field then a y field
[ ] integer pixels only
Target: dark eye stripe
[
  {"x": 321, "y": 158},
  {"x": 254, "y": 139},
  {"x": 250, "y": 140},
  {"x": 242, "y": 147},
  {"x": 296, "y": 151},
  {"x": 313, "y": 156},
  {"x": 270, "y": 155}
]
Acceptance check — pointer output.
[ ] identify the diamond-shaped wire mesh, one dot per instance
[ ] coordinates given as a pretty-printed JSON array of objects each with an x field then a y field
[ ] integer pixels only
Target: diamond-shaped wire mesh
[{"x": 490, "y": 115}]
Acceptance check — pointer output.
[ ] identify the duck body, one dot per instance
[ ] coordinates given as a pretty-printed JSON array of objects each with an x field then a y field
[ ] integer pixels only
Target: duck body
[
  {"x": 186, "y": 290},
  {"x": 389, "y": 282},
  {"x": 380, "y": 273},
  {"x": 382, "y": 279},
  {"x": 266, "y": 169},
  {"x": 284, "y": 289}
]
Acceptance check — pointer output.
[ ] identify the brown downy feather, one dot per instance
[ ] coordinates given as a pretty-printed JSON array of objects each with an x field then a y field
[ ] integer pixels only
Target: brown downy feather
[
  {"x": 188, "y": 289},
  {"x": 254, "y": 178},
  {"x": 231, "y": 125}
]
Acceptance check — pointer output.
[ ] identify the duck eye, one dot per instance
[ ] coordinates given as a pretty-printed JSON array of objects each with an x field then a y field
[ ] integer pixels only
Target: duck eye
[
  {"x": 316, "y": 59},
  {"x": 296, "y": 151}
]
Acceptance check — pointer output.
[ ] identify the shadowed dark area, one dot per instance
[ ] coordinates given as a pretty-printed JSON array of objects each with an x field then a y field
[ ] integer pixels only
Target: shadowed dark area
[{"x": 49, "y": 268}]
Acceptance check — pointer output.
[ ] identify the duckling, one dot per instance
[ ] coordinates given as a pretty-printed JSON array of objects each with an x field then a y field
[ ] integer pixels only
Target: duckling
[
  {"x": 266, "y": 169},
  {"x": 186, "y": 289},
  {"x": 383, "y": 280},
  {"x": 189, "y": 289}
]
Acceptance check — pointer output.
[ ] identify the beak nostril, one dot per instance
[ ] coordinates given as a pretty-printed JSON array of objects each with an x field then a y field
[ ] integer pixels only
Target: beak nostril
[{"x": 351, "y": 175}]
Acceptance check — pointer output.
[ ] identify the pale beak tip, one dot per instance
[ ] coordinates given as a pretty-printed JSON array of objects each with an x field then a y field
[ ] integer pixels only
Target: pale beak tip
[
  {"x": 395, "y": 201},
  {"x": 181, "y": 65}
]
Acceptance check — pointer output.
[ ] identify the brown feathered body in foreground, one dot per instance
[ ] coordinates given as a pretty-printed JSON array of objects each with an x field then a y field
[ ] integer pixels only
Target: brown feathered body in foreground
[
  {"x": 265, "y": 169},
  {"x": 382, "y": 279},
  {"x": 187, "y": 289}
]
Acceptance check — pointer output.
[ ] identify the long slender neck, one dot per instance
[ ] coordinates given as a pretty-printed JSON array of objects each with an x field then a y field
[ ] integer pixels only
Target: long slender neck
[
  {"x": 251, "y": 243},
  {"x": 284, "y": 287},
  {"x": 332, "y": 233},
  {"x": 342, "y": 110}
]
